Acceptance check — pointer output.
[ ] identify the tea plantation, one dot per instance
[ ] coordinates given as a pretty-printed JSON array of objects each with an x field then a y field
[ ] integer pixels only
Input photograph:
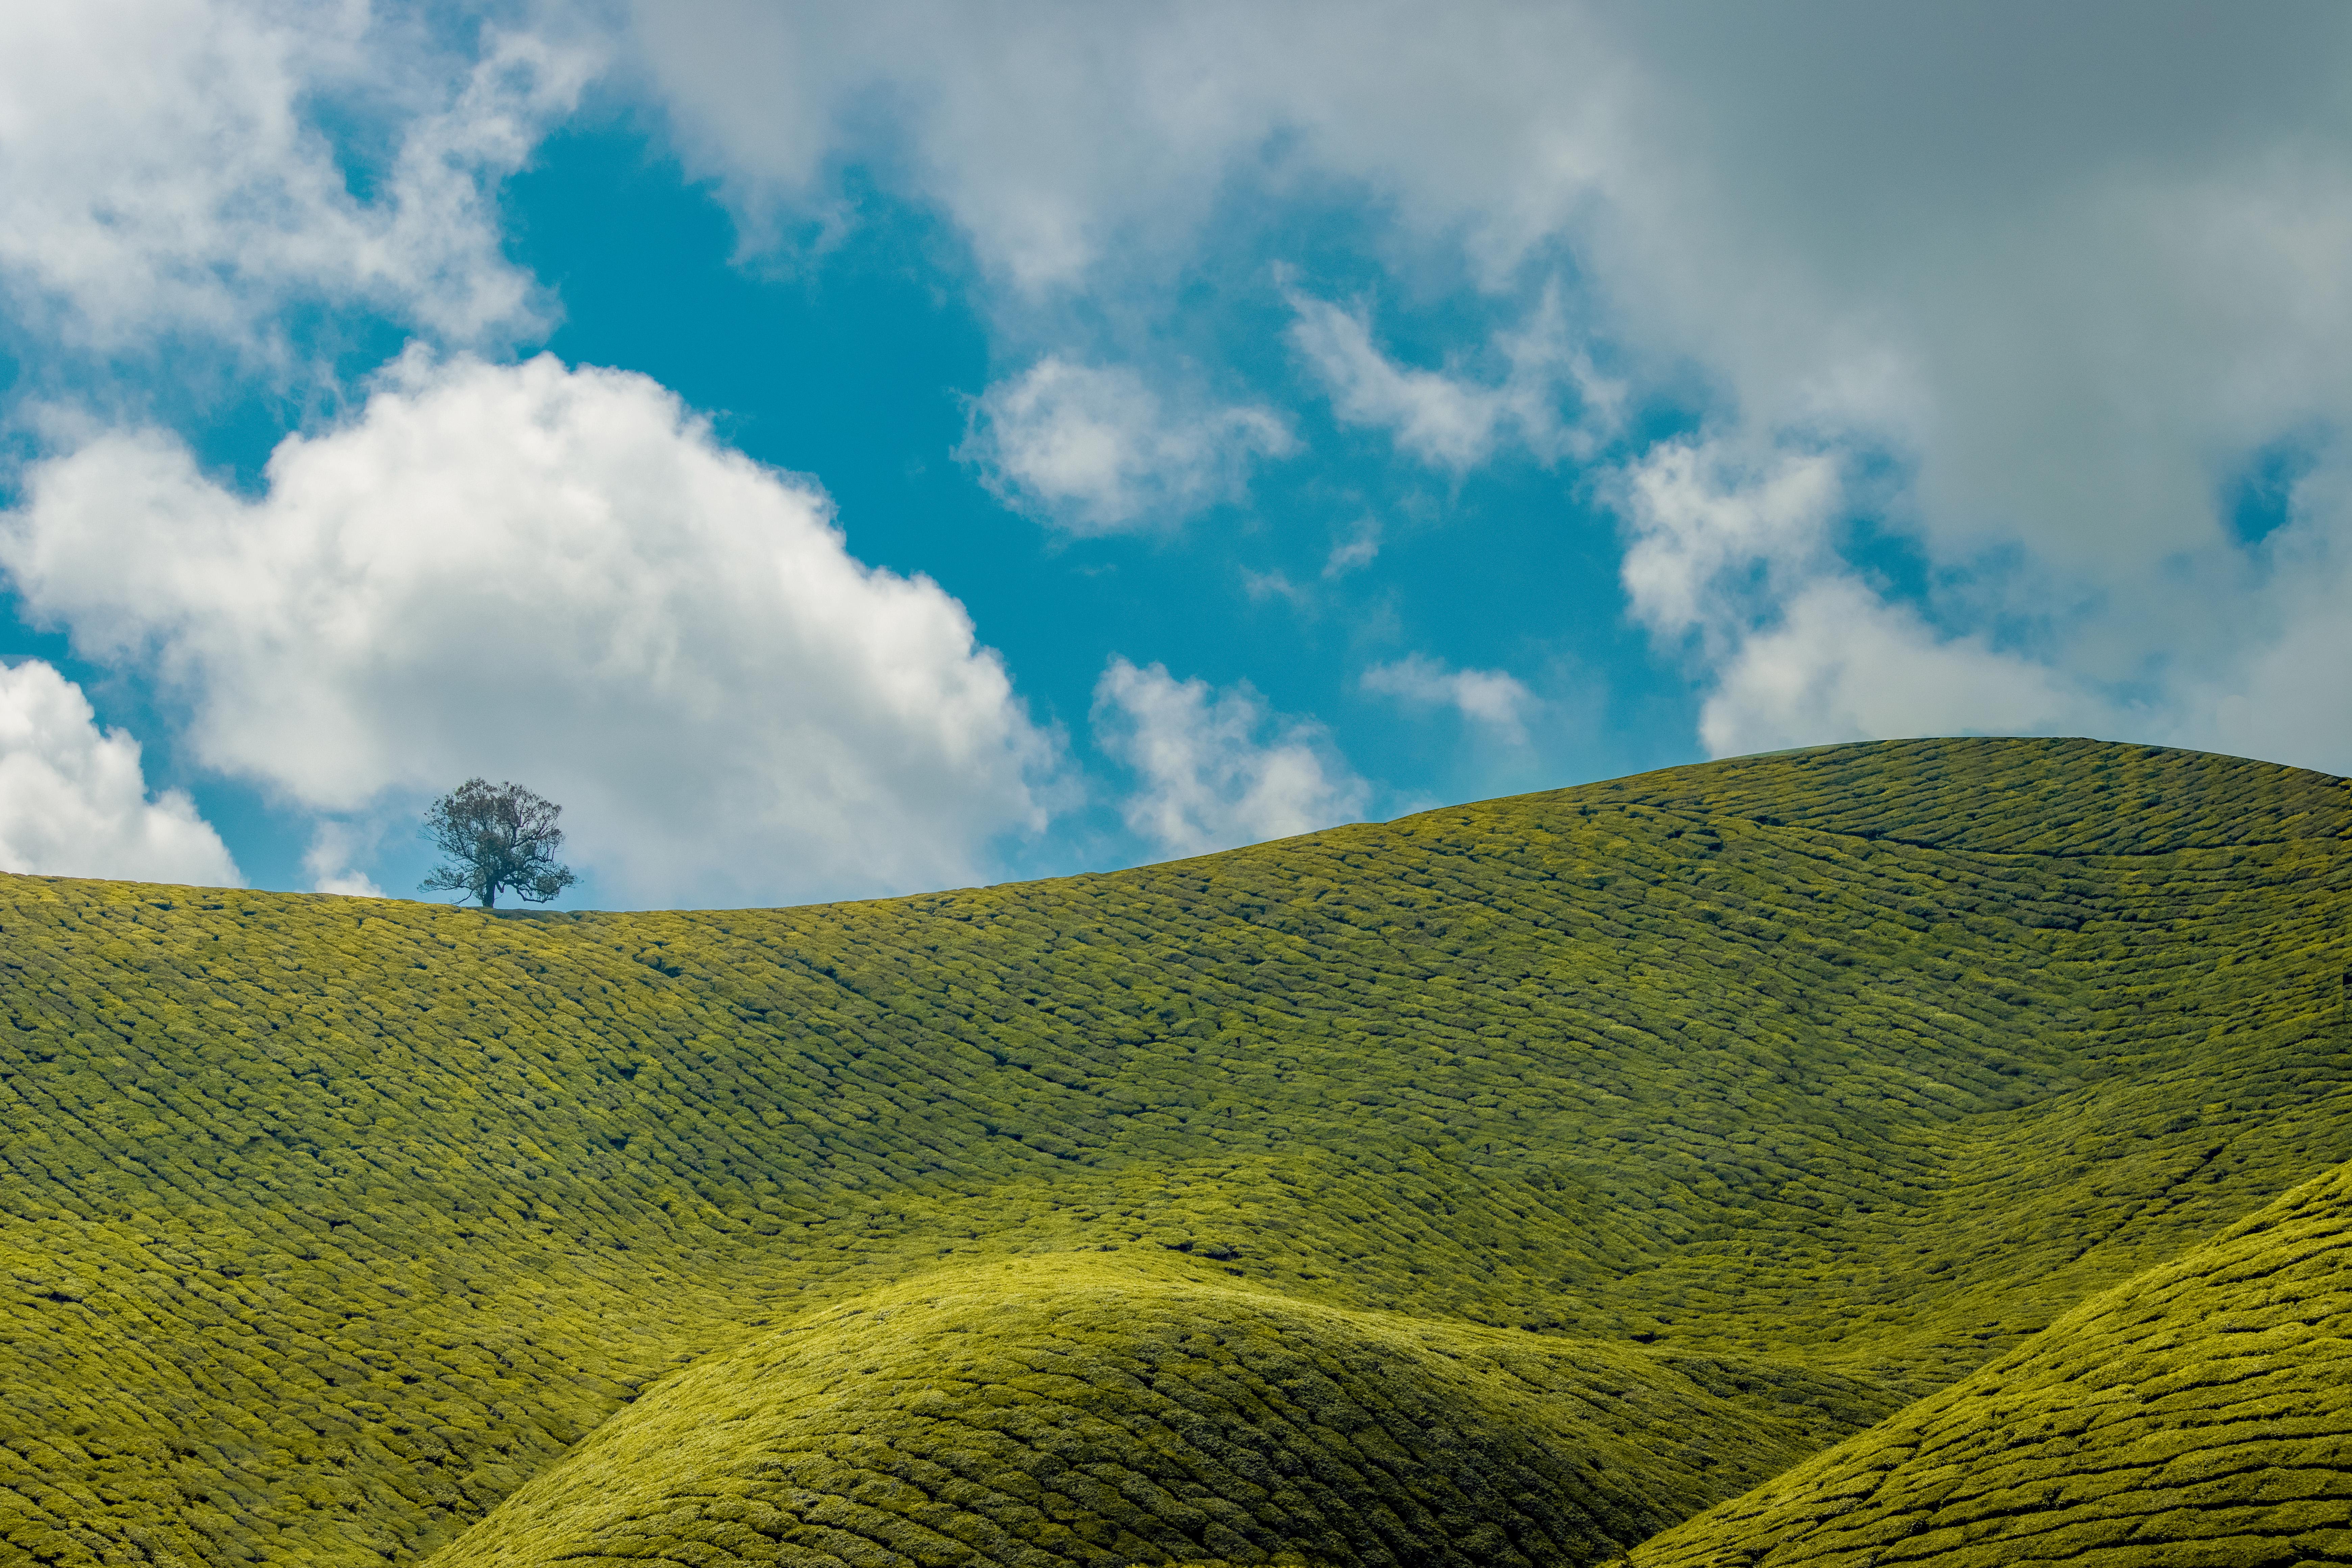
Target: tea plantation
[
  {"x": 2202, "y": 1414},
  {"x": 1690, "y": 1166}
]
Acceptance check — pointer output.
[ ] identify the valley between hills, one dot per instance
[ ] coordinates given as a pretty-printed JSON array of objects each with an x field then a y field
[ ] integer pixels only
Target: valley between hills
[{"x": 1914, "y": 1152}]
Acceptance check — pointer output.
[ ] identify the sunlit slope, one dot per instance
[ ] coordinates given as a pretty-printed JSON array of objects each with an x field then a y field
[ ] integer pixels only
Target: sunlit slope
[
  {"x": 2202, "y": 1414},
  {"x": 1069, "y": 1409},
  {"x": 332, "y": 1221}
]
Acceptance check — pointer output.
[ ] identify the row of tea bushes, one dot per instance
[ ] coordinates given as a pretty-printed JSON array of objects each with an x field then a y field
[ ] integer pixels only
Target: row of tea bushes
[
  {"x": 325, "y": 1223},
  {"x": 2201, "y": 1414}
]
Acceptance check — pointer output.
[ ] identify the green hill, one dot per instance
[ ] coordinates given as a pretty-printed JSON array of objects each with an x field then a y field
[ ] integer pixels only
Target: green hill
[
  {"x": 2202, "y": 1414},
  {"x": 1505, "y": 1184}
]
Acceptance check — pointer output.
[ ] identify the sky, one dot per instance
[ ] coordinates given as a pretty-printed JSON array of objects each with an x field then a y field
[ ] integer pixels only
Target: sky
[{"x": 845, "y": 450}]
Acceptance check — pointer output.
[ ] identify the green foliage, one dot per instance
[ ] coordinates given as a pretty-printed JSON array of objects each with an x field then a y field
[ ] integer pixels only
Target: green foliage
[
  {"x": 496, "y": 838},
  {"x": 1078, "y": 1409},
  {"x": 1749, "y": 1101},
  {"x": 2202, "y": 1414}
]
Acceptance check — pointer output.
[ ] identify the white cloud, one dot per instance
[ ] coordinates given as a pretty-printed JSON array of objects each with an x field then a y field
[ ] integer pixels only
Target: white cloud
[
  {"x": 557, "y": 576},
  {"x": 167, "y": 170},
  {"x": 1710, "y": 531},
  {"x": 1455, "y": 421},
  {"x": 74, "y": 800},
  {"x": 331, "y": 861},
  {"x": 1070, "y": 140},
  {"x": 2071, "y": 263},
  {"x": 1492, "y": 699},
  {"x": 1096, "y": 450},
  {"x": 1838, "y": 663},
  {"x": 2058, "y": 271},
  {"x": 1205, "y": 778},
  {"x": 1735, "y": 555},
  {"x": 1354, "y": 550}
]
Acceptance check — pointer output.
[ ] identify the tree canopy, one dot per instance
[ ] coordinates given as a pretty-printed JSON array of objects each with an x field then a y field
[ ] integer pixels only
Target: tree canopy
[{"x": 496, "y": 836}]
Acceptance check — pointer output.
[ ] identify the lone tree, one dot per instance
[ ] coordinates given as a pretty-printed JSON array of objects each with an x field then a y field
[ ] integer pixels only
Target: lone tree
[{"x": 497, "y": 835}]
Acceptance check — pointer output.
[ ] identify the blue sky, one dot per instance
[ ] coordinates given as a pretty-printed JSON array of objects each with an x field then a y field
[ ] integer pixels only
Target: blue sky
[{"x": 847, "y": 451}]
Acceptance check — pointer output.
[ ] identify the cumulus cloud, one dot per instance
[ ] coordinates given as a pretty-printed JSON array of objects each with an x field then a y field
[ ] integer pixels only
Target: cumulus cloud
[
  {"x": 1096, "y": 450},
  {"x": 560, "y": 577},
  {"x": 1218, "y": 768},
  {"x": 1493, "y": 700},
  {"x": 2061, "y": 270},
  {"x": 169, "y": 171},
  {"x": 74, "y": 799},
  {"x": 1839, "y": 663},
  {"x": 1732, "y": 554},
  {"x": 2069, "y": 310},
  {"x": 1713, "y": 532},
  {"x": 1455, "y": 421}
]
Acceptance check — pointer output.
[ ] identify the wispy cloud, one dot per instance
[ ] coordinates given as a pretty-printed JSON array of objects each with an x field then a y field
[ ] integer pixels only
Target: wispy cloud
[
  {"x": 1717, "y": 532},
  {"x": 1493, "y": 700},
  {"x": 336, "y": 850},
  {"x": 1357, "y": 549},
  {"x": 1547, "y": 398}
]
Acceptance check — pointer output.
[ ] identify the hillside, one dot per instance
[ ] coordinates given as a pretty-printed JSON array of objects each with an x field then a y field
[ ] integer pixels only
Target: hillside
[
  {"x": 2201, "y": 1414},
  {"x": 1504, "y": 1183}
]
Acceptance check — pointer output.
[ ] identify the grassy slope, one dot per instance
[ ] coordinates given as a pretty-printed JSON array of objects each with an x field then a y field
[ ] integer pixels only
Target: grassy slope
[
  {"x": 2200, "y": 1414},
  {"x": 1835, "y": 1075}
]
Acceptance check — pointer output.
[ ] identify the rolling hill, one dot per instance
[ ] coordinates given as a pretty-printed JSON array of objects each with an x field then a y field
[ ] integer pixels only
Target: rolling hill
[
  {"x": 1515, "y": 1183},
  {"x": 2201, "y": 1413}
]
